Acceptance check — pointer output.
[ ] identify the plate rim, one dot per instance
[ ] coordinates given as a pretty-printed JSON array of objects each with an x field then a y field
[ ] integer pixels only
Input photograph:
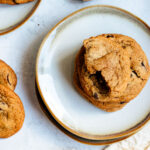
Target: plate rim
[
  {"x": 127, "y": 132},
  {"x": 71, "y": 135},
  {"x": 19, "y": 24}
]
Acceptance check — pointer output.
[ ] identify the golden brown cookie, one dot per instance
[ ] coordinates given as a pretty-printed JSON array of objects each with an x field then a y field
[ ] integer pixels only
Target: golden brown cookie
[
  {"x": 107, "y": 106},
  {"x": 22, "y": 1},
  {"x": 94, "y": 85},
  {"x": 7, "y": 76},
  {"x": 132, "y": 85},
  {"x": 14, "y": 2},
  {"x": 11, "y": 112},
  {"x": 140, "y": 69},
  {"x": 94, "y": 73},
  {"x": 111, "y": 60},
  {"x": 97, "y": 47}
]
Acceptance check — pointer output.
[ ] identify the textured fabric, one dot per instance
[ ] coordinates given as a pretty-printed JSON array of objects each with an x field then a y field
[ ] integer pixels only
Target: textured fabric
[{"x": 139, "y": 141}]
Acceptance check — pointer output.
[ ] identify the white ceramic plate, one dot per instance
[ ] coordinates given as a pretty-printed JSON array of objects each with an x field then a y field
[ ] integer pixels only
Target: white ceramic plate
[
  {"x": 77, "y": 138},
  {"x": 12, "y": 16},
  {"x": 55, "y": 66}
]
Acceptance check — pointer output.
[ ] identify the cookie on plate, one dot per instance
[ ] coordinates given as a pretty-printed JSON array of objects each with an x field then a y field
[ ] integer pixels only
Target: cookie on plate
[
  {"x": 105, "y": 57},
  {"x": 22, "y": 1},
  {"x": 111, "y": 70},
  {"x": 7, "y": 76},
  {"x": 107, "y": 106},
  {"x": 14, "y": 2},
  {"x": 11, "y": 112},
  {"x": 140, "y": 69}
]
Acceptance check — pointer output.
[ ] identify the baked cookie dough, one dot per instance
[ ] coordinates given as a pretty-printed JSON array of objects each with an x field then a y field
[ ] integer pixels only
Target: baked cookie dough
[
  {"x": 108, "y": 73},
  {"x": 14, "y": 2},
  {"x": 7, "y": 76},
  {"x": 11, "y": 112}
]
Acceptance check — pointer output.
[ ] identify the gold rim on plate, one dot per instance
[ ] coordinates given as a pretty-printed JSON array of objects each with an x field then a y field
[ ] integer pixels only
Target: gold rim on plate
[
  {"x": 71, "y": 135},
  {"x": 126, "y": 133},
  {"x": 16, "y": 26}
]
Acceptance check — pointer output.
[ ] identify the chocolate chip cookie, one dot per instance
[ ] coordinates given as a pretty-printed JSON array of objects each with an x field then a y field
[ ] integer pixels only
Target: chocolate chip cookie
[
  {"x": 105, "y": 56},
  {"x": 111, "y": 70},
  {"x": 11, "y": 112},
  {"x": 93, "y": 98},
  {"x": 139, "y": 66},
  {"x": 14, "y": 2},
  {"x": 7, "y": 76}
]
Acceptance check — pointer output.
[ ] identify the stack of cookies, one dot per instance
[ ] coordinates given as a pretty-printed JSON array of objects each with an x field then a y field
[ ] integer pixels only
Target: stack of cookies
[
  {"x": 11, "y": 108},
  {"x": 110, "y": 71}
]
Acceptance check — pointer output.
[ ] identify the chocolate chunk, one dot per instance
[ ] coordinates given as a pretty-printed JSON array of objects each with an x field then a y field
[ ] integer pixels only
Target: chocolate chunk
[
  {"x": 8, "y": 79},
  {"x": 95, "y": 95},
  {"x": 122, "y": 102},
  {"x": 123, "y": 46},
  {"x": 136, "y": 74},
  {"x": 91, "y": 75},
  {"x": 142, "y": 63},
  {"x": 110, "y": 35},
  {"x": 15, "y": 1}
]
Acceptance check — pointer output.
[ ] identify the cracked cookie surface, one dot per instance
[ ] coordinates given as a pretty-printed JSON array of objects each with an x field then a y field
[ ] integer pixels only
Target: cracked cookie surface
[
  {"x": 113, "y": 75},
  {"x": 139, "y": 66},
  {"x": 109, "y": 58},
  {"x": 107, "y": 106},
  {"x": 7, "y": 76},
  {"x": 11, "y": 112}
]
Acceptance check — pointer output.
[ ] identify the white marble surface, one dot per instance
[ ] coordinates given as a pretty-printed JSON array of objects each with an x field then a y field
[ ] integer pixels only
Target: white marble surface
[{"x": 19, "y": 50}]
